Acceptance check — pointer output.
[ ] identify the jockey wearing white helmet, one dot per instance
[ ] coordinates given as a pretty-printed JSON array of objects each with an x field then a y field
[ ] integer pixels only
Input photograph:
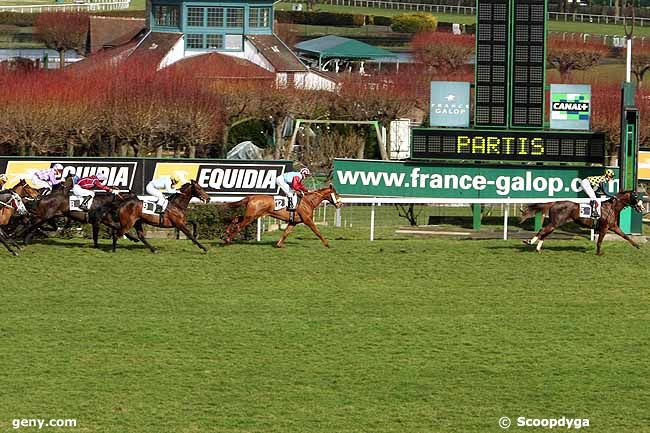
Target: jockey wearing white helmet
[
  {"x": 45, "y": 179},
  {"x": 290, "y": 183}
]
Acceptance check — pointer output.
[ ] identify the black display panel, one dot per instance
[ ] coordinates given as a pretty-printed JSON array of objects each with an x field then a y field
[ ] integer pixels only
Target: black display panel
[
  {"x": 492, "y": 71},
  {"x": 528, "y": 63},
  {"x": 507, "y": 145}
]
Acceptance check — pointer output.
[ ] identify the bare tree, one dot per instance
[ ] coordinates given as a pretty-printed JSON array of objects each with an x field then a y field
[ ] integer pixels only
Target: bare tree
[{"x": 62, "y": 31}]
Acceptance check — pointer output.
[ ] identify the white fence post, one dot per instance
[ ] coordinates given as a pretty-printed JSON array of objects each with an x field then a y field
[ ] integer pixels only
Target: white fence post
[
  {"x": 337, "y": 218},
  {"x": 259, "y": 229},
  {"x": 505, "y": 222},
  {"x": 372, "y": 222}
]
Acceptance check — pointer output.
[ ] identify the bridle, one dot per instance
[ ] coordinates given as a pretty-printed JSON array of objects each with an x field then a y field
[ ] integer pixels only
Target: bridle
[{"x": 15, "y": 203}]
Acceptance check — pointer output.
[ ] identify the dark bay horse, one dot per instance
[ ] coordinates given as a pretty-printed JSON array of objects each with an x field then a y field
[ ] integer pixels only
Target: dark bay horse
[
  {"x": 130, "y": 214},
  {"x": 257, "y": 206},
  {"x": 56, "y": 204},
  {"x": 11, "y": 202},
  {"x": 562, "y": 212}
]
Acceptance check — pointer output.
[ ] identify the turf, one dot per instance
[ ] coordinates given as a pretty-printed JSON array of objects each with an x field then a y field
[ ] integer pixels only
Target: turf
[{"x": 391, "y": 336}]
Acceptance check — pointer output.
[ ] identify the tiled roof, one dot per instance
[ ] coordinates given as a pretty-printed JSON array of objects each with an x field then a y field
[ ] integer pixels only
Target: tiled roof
[
  {"x": 281, "y": 57},
  {"x": 112, "y": 31},
  {"x": 155, "y": 47},
  {"x": 222, "y": 67}
]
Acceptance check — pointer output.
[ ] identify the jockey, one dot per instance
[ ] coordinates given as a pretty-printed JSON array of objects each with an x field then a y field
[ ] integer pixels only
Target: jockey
[
  {"x": 3, "y": 180},
  {"x": 593, "y": 185},
  {"x": 45, "y": 179},
  {"x": 291, "y": 182},
  {"x": 166, "y": 184},
  {"x": 84, "y": 188}
]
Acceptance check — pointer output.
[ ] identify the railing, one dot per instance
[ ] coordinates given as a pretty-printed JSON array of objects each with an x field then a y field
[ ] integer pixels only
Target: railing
[
  {"x": 470, "y": 10},
  {"x": 94, "y": 6}
]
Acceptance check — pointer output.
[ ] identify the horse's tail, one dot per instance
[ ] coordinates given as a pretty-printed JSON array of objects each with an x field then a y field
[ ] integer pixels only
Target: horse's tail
[{"x": 531, "y": 209}]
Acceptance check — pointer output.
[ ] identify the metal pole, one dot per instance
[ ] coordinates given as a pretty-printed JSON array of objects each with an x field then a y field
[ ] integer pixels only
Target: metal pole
[
  {"x": 505, "y": 223},
  {"x": 259, "y": 229},
  {"x": 628, "y": 71},
  {"x": 372, "y": 222}
]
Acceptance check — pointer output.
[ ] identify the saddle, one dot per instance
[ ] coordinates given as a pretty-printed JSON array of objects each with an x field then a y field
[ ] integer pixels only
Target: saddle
[{"x": 153, "y": 208}]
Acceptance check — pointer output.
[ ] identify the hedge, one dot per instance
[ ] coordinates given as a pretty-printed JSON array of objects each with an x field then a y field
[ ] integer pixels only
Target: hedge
[
  {"x": 18, "y": 19},
  {"x": 212, "y": 220},
  {"x": 414, "y": 23},
  {"x": 381, "y": 21},
  {"x": 320, "y": 18}
]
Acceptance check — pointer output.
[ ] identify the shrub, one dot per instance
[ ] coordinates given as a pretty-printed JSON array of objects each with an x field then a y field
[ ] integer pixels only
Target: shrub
[
  {"x": 212, "y": 220},
  {"x": 318, "y": 18},
  {"x": 414, "y": 23},
  {"x": 382, "y": 21},
  {"x": 18, "y": 19},
  {"x": 359, "y": 20}
]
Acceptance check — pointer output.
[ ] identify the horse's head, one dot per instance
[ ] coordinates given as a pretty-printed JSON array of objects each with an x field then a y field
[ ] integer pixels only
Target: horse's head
[
  {"x": 334, "y": 197},
  {"x": 195, "y": 190},
  {"x": 23, "y": 189},
  {"x": 632, "y": 199}
]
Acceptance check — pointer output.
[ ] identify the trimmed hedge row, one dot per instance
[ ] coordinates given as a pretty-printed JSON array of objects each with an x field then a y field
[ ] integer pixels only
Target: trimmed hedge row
[
  {"x": 212, "y": 220},
  {"x": 28, "y": 20}
]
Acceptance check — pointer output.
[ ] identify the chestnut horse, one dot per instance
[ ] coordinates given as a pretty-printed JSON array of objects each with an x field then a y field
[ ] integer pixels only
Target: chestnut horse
[
  {"x": 130, "y": 214},
  {"x": 258, "y": 206},
  {"x": 10, "y": 203},
  {"x": 562, "y": 212}
]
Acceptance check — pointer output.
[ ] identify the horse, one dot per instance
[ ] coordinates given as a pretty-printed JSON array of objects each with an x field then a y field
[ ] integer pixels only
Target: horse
[
  {"x": 562, "y": 212},
  {"x": 258, "y": 206},
  {"x": 57, "y": 204},
  {"x": 130, "y": 214},
  {"x": 10, "y": 203}
]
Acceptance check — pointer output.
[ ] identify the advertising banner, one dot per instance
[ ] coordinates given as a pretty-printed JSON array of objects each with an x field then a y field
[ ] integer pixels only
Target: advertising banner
[
  {"x": 449, "y": 104},
  {"x": 644, "y": 165},
  {"x": 222, "y": 177},
  {"x": 217, "y": 177},
  {"x": 408, "y": 179},
  {"x": 570, "y": 106},
  {"x": 122, "y": 174}
]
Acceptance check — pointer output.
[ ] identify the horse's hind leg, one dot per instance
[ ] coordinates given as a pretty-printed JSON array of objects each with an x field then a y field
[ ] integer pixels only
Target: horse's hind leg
[
  {"x": 3, "y": 240},
  {"x": 237, "y": 227},
  {"x": 285, "y": 234},
  {"x": 541, "y": 236}
]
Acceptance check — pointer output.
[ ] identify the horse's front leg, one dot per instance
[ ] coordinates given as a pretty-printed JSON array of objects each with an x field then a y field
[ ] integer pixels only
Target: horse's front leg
[
  {"x": 140, "y": 231},
  {"x": 310, "y": 223},
  {"x": 3, "y": 238},
  {"x": 616, "y": 229},
  {"x": 182, "y": 227}
]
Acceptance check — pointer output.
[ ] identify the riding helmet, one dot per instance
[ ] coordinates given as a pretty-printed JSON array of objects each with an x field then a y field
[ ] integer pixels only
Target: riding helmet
[
  {"x": 609, "y": 173},
  {"x": 305, "y": 172}
]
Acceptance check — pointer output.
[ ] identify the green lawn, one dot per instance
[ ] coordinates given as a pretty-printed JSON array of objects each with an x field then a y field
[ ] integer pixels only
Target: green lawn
[
  {"x": 392, "y": 336},
  {"x": 557, "y": 26}
]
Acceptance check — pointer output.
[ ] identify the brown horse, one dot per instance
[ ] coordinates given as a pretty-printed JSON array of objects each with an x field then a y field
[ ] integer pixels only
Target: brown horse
[
  {"x": 57, "y": 204},
  {"x": 130, "y": 214},
  {"x": 258, "y": 206},
  {"x": 10, "y": 203},
  {"x": 561, "y": 212}
]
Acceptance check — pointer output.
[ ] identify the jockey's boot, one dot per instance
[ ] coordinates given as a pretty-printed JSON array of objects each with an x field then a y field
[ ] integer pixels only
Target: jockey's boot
[
  {"x": 291, "y": 209},
  {"x": 84, "y": 204},
  {"x": 594, "y": 210}
]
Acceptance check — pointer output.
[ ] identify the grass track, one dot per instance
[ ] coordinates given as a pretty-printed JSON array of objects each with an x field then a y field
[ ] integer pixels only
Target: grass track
[{"x": 391, "y": 336}]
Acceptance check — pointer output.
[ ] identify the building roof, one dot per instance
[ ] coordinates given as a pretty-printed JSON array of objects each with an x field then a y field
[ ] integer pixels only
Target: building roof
[
  {"x": 155, "y": 47},
  {"x": 222, "y": 67},
  {"x": 342, "y": 48},
  {"x": 276, "y": 52},
  {"x": 112, "y": 31}
]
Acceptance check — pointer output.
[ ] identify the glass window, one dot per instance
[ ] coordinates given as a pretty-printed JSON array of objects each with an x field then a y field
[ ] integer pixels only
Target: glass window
[
  {"x": 166, "y": 16},
  {"x": 215, "y": 17},
  {"x": 214, "y": 41},
  {"x": 234, "y": 42},
  {"x": 235, "y": 17},
  {"x": 195, "y": 17},
  {"x": 194, "y": 41},
  {"x": 260, "y": 17}
]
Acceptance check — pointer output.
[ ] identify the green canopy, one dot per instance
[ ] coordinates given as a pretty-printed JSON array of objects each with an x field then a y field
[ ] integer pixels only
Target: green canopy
[{"x": 328, "y": 47}]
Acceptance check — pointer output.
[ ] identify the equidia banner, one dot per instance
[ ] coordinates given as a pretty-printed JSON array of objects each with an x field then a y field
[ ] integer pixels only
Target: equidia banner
[
  {"x": 217, "y": 177},
  {"x": 400, "y": 179}
]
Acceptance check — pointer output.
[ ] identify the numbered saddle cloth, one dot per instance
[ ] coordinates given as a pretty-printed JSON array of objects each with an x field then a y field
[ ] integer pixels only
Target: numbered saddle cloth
[
  {"x": 153, "y": 208},
  {"x": 74, "y": 202},
  {"x": 281, "y": 202}
]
